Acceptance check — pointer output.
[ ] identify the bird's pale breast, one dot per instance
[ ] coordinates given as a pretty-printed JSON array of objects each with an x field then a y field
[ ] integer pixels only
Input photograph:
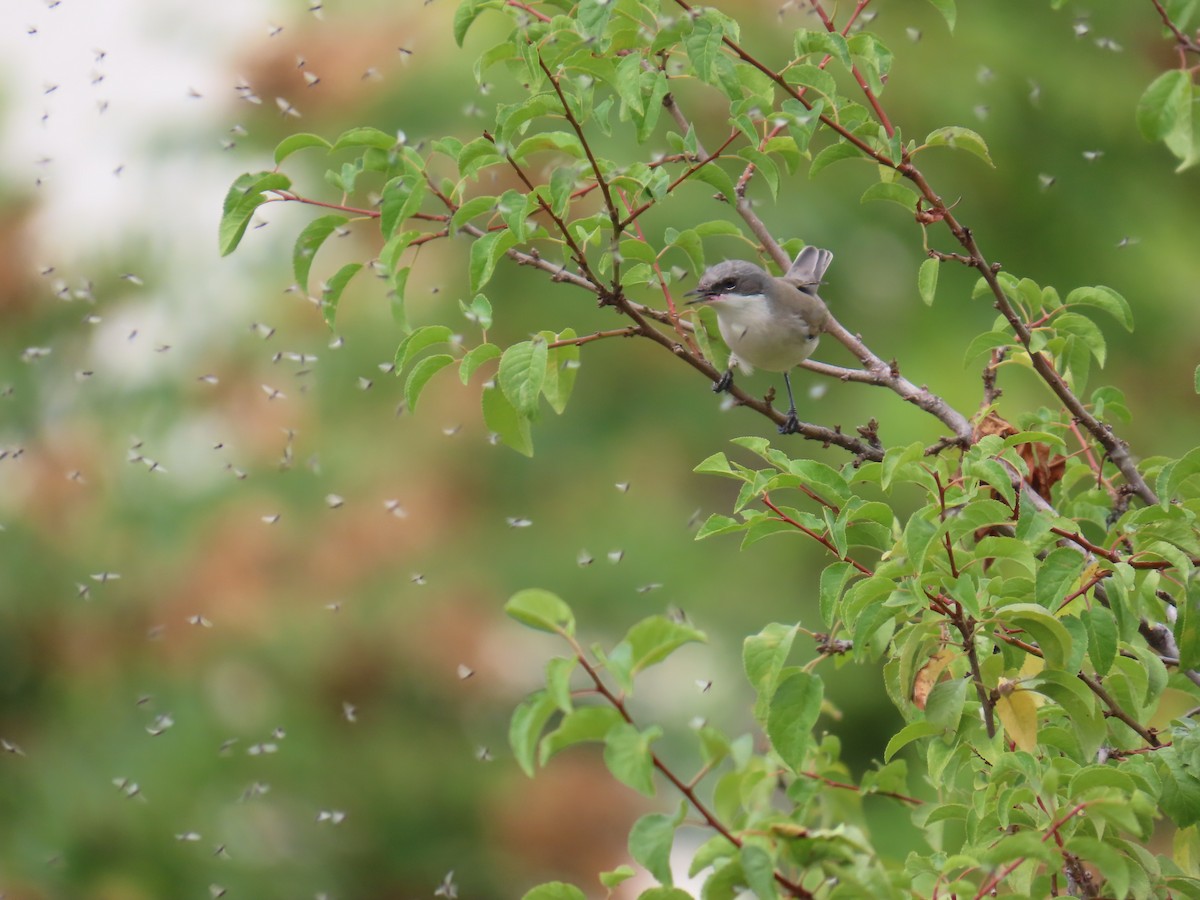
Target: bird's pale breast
[{"x": 757, "y": 339}]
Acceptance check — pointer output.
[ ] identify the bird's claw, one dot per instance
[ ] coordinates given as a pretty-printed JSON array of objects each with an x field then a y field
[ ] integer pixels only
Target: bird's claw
[
  {"x": 724, "y": 383},
  {"x": 791, "y": 425}
]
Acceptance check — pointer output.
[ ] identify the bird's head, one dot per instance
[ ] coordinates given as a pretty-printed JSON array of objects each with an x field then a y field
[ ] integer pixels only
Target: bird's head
[{"x": 731, "y": 279}]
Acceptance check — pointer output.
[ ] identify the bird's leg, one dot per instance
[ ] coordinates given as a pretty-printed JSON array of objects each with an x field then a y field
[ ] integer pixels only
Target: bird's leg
[
  {"x": 792, "y": 424},
  {"x": 724, "y": 383}
]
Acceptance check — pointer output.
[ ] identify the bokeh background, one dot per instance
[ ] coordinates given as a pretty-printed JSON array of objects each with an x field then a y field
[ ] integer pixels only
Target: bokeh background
[{"x": 240, "y": 586}]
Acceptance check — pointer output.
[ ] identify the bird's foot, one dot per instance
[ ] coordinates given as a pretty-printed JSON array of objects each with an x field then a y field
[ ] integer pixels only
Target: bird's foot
[
  {"x": 791, "y": 425},
  {"x": 724, "y": 383}
]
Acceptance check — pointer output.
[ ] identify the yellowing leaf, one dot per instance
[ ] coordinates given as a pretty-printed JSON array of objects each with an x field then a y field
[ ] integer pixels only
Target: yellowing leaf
[
  {"x": 929, "y": 674},
  {"x": 1017, "y": 710}
]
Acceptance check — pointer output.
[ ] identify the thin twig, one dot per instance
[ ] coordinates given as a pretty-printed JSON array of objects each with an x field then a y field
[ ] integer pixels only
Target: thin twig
[
  {"x": 819, "y": 538},
  {"x": 1186, "y": 44},
  {"x": 629, "y": 331}
]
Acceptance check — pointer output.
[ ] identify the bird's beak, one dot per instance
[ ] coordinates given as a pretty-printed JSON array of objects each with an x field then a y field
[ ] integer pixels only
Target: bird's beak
[{"x": 700, "y": 295}]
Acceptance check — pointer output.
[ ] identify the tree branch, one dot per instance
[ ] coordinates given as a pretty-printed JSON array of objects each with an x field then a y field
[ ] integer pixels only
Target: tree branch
[{"x": 794, "y": 888}]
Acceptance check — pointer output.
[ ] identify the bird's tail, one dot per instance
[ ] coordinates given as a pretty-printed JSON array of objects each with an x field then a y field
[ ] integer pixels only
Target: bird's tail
[{"x": 809, "y": 268}]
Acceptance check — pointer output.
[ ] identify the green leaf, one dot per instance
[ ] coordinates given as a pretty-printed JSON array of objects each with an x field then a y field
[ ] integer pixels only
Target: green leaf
[
  {"x": 898, "y": 462},
  {"x": 975, "y": 515},
  {"x": 1165, "y": 108},
  {"x": 555, "y": 890},
  {"x": 522, "y": 374},
  {"x": 1086, "y": 331},
  {"x": 477, "y": 154},
  {"x": 420, "y": 375},
  {"x": 763, "y": 656},
  {"x": 948, "y": 9},
  {"x": 984, "y": 343},
  {"x": 703, "y": 46},
  {"x": 470, "y": 209},
  {"x": 664, "y": 893},
  {"x": 717, "y": 524},
  {"x": 913, "y": 731},
  {"x": 592, "y": 17},
  {"x": 475, "y": 358},
  {"x": 927, "y": 278},
  {"x": 654, "y": 86},
  {"x": 582, "y": 725},
  {"x": 650, "y": 842},
  {"x": 834, "y": 579},
  {"x": 874, "y": 59},
  {"x": 794, "y": 709},
  {"x": 1187, "y": 627},
  {"x": 805, "y": 42},
  {"x": 717, "y": 464},
  {"x": 294, "y": 142},
  {"x": 485, "y": 253},
  {"x": 1175, "y": 473},
  {"x": 628, "y": 757},
  {"x": 505, "y": 50},
  {"x": 525, "y": 727},
  {"x": 894, "y": 191},
  {"x": 478, "y": 311},
  {"x": 617, "y": 876},
  {"x": 1104, "y": 298},
  {"x": 714, "y": 176},
  {"x": 401, "y": 198},
  {"x": 918, "y": 535},
  {"x": 542, "y": 610},
  {"x": 817, "y": 80},
  {"x": 244, "y": 197},
  {"x": 562, "y": 183},
  {"x": 759, "y": 869},
  {"x": 1180, "y": 798},
  {"x": 1102, "y": 637},
  {"x": 308, "y": 242},
  {"x": 824, "y": 480},
  {"x": 714, "y": 745},
  {"x": 501, "y": 418},
  {"x": 628, "y": 82},
  {"x": 957, "y": 137},
  {"x": 466, "y": 14},
  {"x": 802, "y": 122},
  {"x": 766, "y": 168},
  {"x": 1056, "y": 576},
  {"x": 689, "y": 242},
  {"x": 558, "y": 680},
  {"x": 331, "y": 291},
  {"x": 389, "y": 255},
  {"x": 423, "y": 337},
  {"x": 559, "y": 141},
  {"x": 562, "y": 365},
  {"x": 1050, "y": 634},
  {"x": 944, "y": 705},
  {"x": 365, "y": 136},
  {"x": 513, "y": 210},
  {"x": 831, "y": 154},
  {"x": 655, "y": 638}
]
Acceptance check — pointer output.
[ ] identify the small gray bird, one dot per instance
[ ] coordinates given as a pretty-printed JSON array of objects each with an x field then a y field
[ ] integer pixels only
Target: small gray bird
[{"x": 769, "y": 323}]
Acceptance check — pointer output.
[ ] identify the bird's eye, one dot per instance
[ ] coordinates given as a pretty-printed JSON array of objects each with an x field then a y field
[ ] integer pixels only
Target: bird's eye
[{"x": 727, "y": 285}]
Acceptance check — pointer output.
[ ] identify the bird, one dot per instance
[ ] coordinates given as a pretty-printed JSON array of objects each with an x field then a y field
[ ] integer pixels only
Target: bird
[{"x": 769, "y": 322}]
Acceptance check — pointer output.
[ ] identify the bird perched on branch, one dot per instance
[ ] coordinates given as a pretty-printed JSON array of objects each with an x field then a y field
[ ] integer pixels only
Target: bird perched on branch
[{"x": 769, "y": 322}]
